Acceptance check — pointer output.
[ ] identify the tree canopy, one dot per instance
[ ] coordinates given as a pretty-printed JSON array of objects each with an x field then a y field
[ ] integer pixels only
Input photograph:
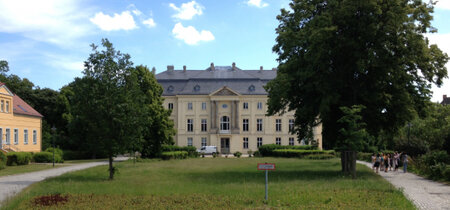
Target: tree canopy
[{"x": 337, "y": 53}]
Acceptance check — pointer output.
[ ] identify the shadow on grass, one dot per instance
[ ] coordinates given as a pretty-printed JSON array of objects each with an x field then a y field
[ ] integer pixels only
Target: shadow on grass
[{"x": 79, "y": 178}]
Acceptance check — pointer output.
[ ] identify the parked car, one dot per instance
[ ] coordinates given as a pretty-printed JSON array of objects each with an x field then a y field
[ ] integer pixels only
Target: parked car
[{"x": 207, "y": 150}]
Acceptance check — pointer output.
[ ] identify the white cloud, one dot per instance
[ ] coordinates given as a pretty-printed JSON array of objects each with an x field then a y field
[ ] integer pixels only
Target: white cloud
[
  {"x": 190, "y": 35},
  {"x": 443, "y": 4},
  {"x": 441, "y": 40},
  {"x": 187, "y": 10},
  {"x": 52, "y": 21},
  {"x": 149, "y": 22},
  {"x": 136, "y": 12},
  {"x": 124, "y": 21},
  {"x": 257, "y": 3}
]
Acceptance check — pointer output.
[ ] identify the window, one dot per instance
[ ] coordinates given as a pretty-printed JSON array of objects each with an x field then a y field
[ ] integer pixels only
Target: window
[
  {"x": 190, "y": 125},
  {"x": 259, "y": 105},
  {"x": 245, "y": 143},
  {"x": 3, "y": 106},
  {"x": 8, "y": 136},
  {"x": 278, "y": 141},
  {"x": 258, "y": 141},
  {"x": 259, "y": 124},
  {"x": 291, "y": 125},
  {"x": 203, "y": 141},
  {"x": 16, "y": 136},
  {"x": 189, "y": 141},
  {"x": 204, "y": 125},
  {"x": 245, "y": 105},
  {"x": 1, "y": 136},
  {"x": 34, "y": 137},
  {"x": 190, "y": 106},
  {"x": 203, "y": 105},
  {"x": 170, "y": 106},
  {"x": 291, "y": 141},
  {"x": 25, "y": 136},
  {"x": 224, "y": 123},
  {"x": 278, "y": 125},
  {"x": 244, "y": 124},
  {"x": 7, "y": 107}
]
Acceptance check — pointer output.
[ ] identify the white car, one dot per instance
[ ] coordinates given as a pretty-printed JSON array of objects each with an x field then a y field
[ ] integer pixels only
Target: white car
[{"x": 207, "y": 150}]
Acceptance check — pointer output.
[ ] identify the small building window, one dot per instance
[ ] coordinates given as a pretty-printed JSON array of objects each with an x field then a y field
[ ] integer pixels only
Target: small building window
[
  {"x": 3, "y": 106},
  {"x": 291, "y": 141},
  {"x": 260, "y": 105},
  {"x": 7, "y": 107},
  {"x": 278, "y": 125},
  {"x": 189, "y": 141},
  {"x": 204, "y": 125},
  {"x": 196, "y": 88},
  {"x": 225, "y": 123},
  {"x": 8, "y": 136},
  {"x": 244, "y": 124},
  {"x": 259, "y": 124},
  {"x": 34, "y": 137},
  {"x": 204, "y": 141},
  {"x": 189, "y": 106},
  {"x": 170, "y": 106},
  {"x": 16, "y": 136},
  {"x": 25, "y": 136},
  {"x": 278, "y": 141},
  {"x": 291, "y": 125},
  {"x": 190, "y": 125},
  {"x": 245, "y": 143},
  {"x": 245, "y": 105},
  {"x": 259, "y": 141},
  {"x": 170, "y": 89},
  {"x": 203, "y": 105}
]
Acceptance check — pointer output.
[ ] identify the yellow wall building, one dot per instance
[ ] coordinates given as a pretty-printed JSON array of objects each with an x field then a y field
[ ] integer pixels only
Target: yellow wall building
[
  {"x": 20, "y": 124},
  {"x": 225, "y": 106}
]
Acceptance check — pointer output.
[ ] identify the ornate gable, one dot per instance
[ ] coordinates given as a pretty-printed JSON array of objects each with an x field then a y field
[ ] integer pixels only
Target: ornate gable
[{"x": 225, "y": 91}]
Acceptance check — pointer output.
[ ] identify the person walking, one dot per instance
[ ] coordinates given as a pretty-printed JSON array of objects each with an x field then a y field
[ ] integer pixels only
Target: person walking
[
  {"x": 405, "y": 162},
  {"x": 396, "y": 160},
  {"x": 377, "y": 162},
  {"x": 381, "y": 162},
  {"x": 386, "y": 162},
  {"x": 373, "y": 160}
]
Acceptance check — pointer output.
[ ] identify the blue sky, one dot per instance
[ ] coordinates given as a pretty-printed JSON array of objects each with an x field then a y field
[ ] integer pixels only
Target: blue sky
[{"x": 47, "y": 41}]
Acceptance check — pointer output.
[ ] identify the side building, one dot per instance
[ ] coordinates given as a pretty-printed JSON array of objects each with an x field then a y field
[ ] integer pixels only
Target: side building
[
  {"x": 20, "y": 124},
  {"x": 225, "y": 106}
]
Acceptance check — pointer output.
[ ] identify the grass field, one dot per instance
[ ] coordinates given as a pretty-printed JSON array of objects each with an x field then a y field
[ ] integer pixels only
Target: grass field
[
  {"x": 214, "y": 183},
  {"x": 11, "y": 170}
]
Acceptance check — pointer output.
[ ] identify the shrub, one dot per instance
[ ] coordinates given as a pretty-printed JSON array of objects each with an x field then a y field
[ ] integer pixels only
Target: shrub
[
  {"x": 267, "y": 149},
  {"x": 174, "y": 155},
  {"x": 47, "y": 157},
  {"x": 299, "y": 153},
  {"x": 237, "y": 154},
  {"x": 364, "y": 156},
  {"x": 256, "y": 154},
  {"x": 434, "y": 165},
  {"x": 57, "y": 151},
  {"x": 18, "y": 158},
  {"x": 191, "y": 150},
  {"x": 250, "y": 152},
  {"x": 319, "y": 156},
  {"x": 2, "y": 160}
]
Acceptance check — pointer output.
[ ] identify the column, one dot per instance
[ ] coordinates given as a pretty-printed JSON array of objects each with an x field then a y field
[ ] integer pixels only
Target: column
[
  {"x": 232, "y": 115},
  {"x": 236, "y": 115}
]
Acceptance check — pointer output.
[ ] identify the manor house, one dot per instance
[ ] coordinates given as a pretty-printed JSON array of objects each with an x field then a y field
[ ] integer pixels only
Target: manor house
[{"x": 225, "y": 106}]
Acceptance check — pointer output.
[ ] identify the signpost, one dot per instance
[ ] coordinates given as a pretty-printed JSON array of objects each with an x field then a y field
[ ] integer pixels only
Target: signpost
[{"x": 266, "y": 167}]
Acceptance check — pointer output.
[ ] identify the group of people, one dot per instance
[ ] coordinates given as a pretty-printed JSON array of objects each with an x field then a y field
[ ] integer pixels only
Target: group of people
[{"x": 389, "y": 161}]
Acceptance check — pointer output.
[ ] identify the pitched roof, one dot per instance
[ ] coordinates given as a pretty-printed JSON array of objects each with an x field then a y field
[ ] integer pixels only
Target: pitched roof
[
  {"x": 21, "y": 107},
  {"x": 204, "y": 82}
]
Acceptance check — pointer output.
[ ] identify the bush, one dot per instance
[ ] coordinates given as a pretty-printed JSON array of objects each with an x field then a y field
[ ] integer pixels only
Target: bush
[
  {"x": 299, "y": 153},
  {"x": 433, "y": 165},
  {"x": 237, "y": 154},
  {"x": 2, "y": 160},
  {"x": 57, "y": 151},
  {"x": 47, "y": 157},
  {"x": 18, "y": 158},
  {"x": 267, "y": 149},
  {"x": 364, "y": 156},
  {"x": 174, "y": 155},
  {"x": 191, "y": 150},
  {"x": 250, "y": 152},
  {"x": 319, "y": 156}
]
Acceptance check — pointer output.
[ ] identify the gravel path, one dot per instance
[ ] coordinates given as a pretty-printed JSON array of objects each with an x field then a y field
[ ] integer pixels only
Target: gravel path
[
  {"x": 13, "y": 184},
  {"x": 424, "y": 193}
]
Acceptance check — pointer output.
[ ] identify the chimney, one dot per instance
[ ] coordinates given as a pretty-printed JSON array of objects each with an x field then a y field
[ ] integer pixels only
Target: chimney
[
  {"x": 444, "y": 97},
  {"x": 261, "y": 68},
  {"x": 184, "y": 68},
  {"x": 170, "y": 68},
  {"x": 274, "y": 69},
  {"x": 153, "y": 70},
  {"x": 233, "y": 66},
  {"x": 212, "y": 67}
]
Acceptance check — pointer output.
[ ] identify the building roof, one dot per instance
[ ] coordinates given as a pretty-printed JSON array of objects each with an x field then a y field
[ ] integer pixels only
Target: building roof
[
  {"x": 445, "y": 100},
  {"x": 205, "y": 82},
  {"x": 20, "y": 106}
]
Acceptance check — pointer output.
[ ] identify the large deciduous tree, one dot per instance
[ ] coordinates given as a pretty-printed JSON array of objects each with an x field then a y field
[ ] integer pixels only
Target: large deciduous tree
[{"x": 339, "y": 53}]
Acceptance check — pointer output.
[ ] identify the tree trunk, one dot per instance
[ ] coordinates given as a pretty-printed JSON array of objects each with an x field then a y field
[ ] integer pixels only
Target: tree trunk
[
  {"x": 352, "y": 161},
  {"x": 111, "y": 168},
  {"x": 348, "y": 162}
]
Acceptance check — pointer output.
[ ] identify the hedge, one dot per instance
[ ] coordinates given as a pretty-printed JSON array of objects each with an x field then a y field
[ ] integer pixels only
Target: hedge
[
  {"x": 191, "y": 150},
  {"x": 319, "y": 156},
  {"x": 364, "y": 156},
  {"x": 18, "y": 158},
  {"x": 267, "y": 149},
  {"x": 174, "y": 155},
  {"x": 57, "y": 151},
  {"x": 299, "y": 153},
  {"x": 2, "y": 160},
  {"x": 47, "y": 157}
]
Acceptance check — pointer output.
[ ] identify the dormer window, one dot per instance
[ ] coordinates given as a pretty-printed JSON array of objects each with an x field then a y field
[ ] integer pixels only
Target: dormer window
[
  {"x": 170, "y": 89},
  {"x": 197, "y": 88},
  {"x": 251, "y": 88}
]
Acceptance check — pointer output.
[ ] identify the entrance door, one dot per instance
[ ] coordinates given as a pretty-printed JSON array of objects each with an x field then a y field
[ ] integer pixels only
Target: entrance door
[{"x": 225, "y": 145}]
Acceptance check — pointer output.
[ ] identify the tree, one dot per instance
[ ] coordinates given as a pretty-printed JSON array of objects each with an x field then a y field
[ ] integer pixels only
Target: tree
[
  {"x": 4, "y": 67},
  {"x": 336, "y": 53}
]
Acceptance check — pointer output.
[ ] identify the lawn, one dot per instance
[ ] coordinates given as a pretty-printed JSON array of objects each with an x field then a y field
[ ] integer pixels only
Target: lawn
[
  {"x": 214, "y": 183},
  {"x": 11, "y": 170}
]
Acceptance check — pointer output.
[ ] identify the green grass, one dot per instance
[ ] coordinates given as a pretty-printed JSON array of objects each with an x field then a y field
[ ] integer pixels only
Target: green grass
[
  {"x": 11, "y": 170},
  {"x": 217, "y": 183},
  {"x": 84, "y": 161}
]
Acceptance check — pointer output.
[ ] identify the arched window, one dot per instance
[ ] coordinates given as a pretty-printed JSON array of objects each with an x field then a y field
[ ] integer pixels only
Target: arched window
[{"x": 225, "y": 123}]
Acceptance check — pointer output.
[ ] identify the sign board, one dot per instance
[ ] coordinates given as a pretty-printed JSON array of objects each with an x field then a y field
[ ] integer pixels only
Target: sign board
[{"x": 266, "y": 166}]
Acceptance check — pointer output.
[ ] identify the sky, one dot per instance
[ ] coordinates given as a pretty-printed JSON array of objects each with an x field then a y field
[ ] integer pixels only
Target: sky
[{"x": 47, "y": 41}]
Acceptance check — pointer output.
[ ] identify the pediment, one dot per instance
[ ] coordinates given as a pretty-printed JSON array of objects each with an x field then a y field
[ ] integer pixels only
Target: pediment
[
  {"x": 225, "y": 91},
  {"x": 4, "y": 90}
]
